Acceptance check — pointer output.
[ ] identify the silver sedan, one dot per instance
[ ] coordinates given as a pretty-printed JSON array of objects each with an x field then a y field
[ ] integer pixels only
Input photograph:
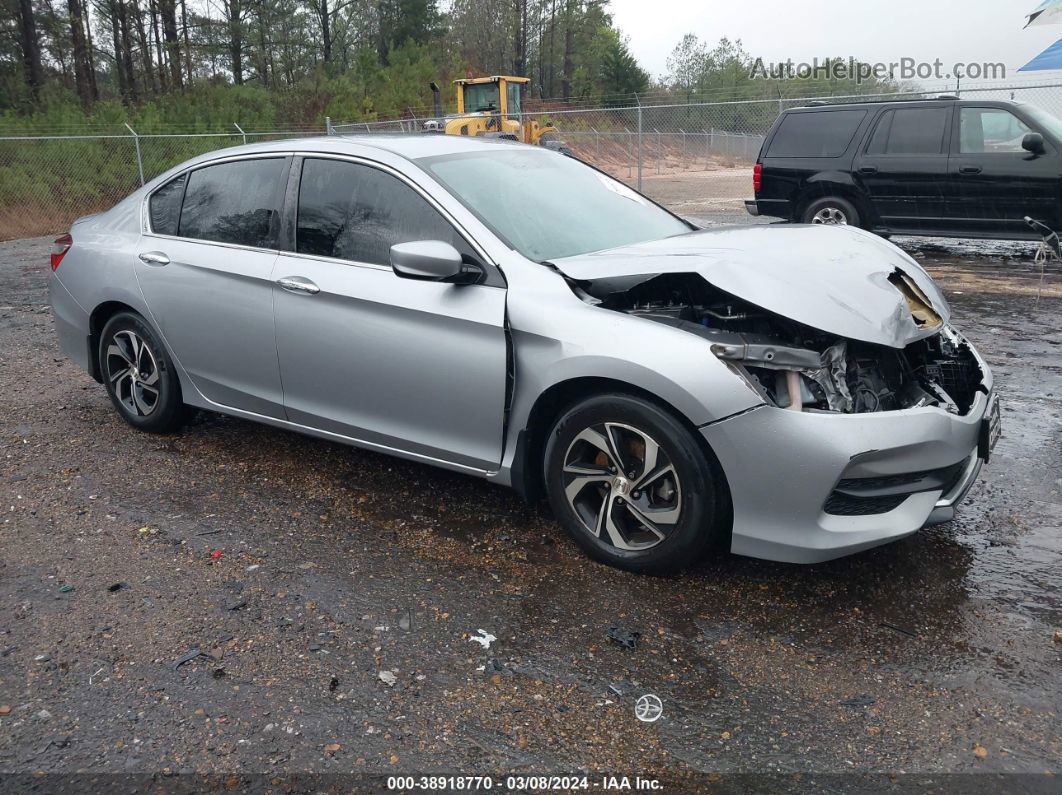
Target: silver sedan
[{"x": 794, "y": 393}]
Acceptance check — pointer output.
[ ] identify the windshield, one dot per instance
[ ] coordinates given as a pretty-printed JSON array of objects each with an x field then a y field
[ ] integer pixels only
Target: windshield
[
  {"x": 548, "y": 206},
  {"x": 1045, "y": 120},
  {"x": 480, "y": 97}
]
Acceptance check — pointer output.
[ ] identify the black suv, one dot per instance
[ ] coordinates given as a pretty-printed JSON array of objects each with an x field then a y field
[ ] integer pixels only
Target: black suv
[{"x": 961, "y": 168}]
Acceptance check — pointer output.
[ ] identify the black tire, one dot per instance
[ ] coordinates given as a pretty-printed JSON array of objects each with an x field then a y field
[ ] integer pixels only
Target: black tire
[
  {"x": 147, "y": 395},
  {"x": 831, "y": 207},
  {"x": 696, "y": 494}
]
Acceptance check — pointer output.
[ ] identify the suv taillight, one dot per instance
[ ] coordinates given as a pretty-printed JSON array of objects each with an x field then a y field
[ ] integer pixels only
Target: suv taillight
[
  {"x": 757, "y": 177},
  {"x": 59, "y": 249}
]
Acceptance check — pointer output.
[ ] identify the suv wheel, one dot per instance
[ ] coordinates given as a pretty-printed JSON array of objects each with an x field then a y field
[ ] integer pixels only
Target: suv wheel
[
  {"x": 139, "y": 376},
  {"x": 832, "y": 210},
  {"x": 631, "y": 485}
]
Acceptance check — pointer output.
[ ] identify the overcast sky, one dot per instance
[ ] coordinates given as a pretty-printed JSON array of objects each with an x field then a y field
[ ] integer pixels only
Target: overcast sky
[{"x": 870, "y": 30}]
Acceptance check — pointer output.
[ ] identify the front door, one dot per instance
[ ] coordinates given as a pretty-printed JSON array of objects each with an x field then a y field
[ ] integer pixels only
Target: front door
[
  {"x": 903, "y": 165},
  {"x": 205, "y": 270},
  {"x": 400, "y": 364},
  {"x": 993, "y": 183}
]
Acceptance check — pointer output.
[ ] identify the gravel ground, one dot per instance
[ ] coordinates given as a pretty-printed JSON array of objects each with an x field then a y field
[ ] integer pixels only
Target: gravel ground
[{"x": 326, "y": 604}]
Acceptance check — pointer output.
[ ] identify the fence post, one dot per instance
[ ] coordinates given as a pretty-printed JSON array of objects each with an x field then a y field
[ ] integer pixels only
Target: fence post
[
  {"x": 139, "y": 159},
  {"x": 630, "y": 154},
  {"x": 639, "y": 141},
  {"x": 328, "y": 126},
  {"x": 597, "y": 143},
  {"x": 240, "y": 129}
]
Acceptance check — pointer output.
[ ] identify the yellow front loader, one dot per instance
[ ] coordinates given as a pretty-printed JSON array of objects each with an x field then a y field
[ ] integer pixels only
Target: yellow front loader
[{"x": 491, "y": 106}]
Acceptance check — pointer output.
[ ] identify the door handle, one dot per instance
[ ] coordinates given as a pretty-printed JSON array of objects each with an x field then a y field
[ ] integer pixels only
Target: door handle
[
  {"x": 156, "y": 258},
  {"x": 297, "y": 284},
  {"x": 868, "y": 169},
  {"x": 969, "y": 169}
]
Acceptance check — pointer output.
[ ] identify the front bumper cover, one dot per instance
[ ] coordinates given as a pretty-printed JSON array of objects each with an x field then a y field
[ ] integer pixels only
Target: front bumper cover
[{"x": 782, "y": 466}]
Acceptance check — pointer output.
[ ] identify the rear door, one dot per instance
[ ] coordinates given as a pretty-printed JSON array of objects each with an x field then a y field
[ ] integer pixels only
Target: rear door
[
  {"x": 407, "y": 365},
  {"x": 205, "y": 267},
  {"x": 993, "y": 183},
  {"x": 903, "y": 166}
]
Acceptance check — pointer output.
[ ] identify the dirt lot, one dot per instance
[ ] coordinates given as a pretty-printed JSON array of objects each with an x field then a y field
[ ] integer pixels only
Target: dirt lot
[
  {"x": 713, "y": 197},
  {"x": 333, "y": 596}
]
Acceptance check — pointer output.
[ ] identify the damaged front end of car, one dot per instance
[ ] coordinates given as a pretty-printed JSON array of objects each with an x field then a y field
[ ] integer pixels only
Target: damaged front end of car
[
  {"x": 875, "y": 415},
  {"x": 797, "y": 367}
]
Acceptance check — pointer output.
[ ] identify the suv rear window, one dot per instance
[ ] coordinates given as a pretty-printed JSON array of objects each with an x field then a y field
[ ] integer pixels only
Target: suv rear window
[{"x": 824, "y": 133}]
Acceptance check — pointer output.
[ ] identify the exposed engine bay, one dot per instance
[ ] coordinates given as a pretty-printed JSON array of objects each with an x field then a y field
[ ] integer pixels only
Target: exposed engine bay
[{"x": 798, "y": 367}]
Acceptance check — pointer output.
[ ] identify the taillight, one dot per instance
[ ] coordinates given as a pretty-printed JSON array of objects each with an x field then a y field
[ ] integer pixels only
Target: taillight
[
  {"x": 59, "y": 249},
  {"x": 757, "y": 177}
]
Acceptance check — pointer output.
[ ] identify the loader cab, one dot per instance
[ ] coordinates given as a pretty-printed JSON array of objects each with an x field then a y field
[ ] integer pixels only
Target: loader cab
[
  {"x": 495, "y": 94},
  {"x": 491, "y": 106}
]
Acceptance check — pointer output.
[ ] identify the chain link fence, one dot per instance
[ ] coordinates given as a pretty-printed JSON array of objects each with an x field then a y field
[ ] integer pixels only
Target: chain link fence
[
  {"x": 46, "y": 182},
  {"x": 694, "y": 157}
]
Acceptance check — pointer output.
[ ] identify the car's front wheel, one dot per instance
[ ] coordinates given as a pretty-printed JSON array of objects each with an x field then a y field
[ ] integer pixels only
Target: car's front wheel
[
  {"x": 631, "y": 485},
  {"x": 139, "y": 375}
]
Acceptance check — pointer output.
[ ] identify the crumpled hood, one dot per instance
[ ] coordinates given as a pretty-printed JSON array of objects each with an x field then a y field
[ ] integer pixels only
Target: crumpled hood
[{"x": 837, "y": 279}]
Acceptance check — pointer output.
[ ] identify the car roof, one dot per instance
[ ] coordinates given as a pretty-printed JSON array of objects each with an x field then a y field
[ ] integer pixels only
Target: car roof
[{"x": 408, "y": 145}]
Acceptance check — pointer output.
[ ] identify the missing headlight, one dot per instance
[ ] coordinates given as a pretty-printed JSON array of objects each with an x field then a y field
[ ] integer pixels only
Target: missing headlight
[{"x": 794, "y": 366}]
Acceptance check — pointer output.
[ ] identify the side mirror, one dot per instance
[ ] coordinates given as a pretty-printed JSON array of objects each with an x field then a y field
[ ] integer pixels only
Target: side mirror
[
  {"x": 1033, "y": 142},
  {"x": 432, "y": 260}
]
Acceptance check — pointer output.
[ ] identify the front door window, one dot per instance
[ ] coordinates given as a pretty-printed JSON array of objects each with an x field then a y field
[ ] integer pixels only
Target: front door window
[{"x": 987, "y": 130}]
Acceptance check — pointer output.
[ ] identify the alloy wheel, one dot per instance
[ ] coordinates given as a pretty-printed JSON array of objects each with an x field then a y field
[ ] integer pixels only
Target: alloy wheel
[
  {"x": 622, "y": 485},
  {"x": 133, "y": 373},
  {"x": 830, "y": 215}
]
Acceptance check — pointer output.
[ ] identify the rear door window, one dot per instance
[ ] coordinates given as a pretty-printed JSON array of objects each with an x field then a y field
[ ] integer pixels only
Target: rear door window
[
  {"x": 354, "y": 212},
  {"x": 164, "y": 206},
  {"x": 824, "y": 133},
  {"x": 234, "y": 202},
  {"x": 910, "y": 131}
]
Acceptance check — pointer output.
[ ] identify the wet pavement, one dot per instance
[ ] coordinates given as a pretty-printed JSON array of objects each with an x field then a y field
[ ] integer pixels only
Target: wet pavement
[{"x": 336, "y": 599}]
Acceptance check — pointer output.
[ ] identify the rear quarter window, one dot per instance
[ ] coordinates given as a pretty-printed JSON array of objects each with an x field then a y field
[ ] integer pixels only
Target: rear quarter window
[
  {"x": 165, "y": 206},
  {"x": 825, "y": 133}
]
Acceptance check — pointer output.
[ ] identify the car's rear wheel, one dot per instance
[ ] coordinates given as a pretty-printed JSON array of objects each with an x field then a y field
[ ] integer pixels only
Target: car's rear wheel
[
  {"x": 832, "y": 211},
  {"x": 139, "y": 375},
  {"x": 631, "y": 485}
]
